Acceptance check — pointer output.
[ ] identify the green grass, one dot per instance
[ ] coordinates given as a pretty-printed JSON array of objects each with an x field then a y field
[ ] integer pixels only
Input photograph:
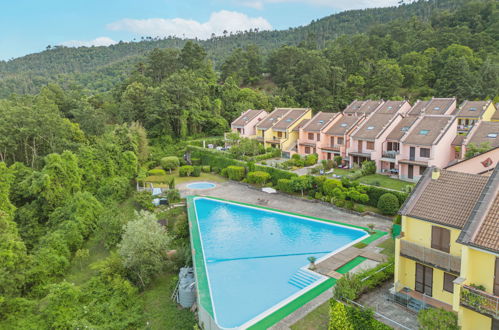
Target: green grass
[
  {"x": 318, "y": 319},
  {"x": 385, "y": 181},
  {"x": 388, "y": 246},
  {"x": 160, "y": 181},
  {"x": 341, "y": 171},
  {"x": 79, "y": 273},
  {"x": 360, "y": 245},
  {"x": 160, "y": 311},
  {"x": 173, "y": 215}
]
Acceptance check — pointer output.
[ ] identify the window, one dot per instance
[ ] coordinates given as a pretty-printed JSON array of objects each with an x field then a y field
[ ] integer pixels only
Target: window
[
  {"x": 279, "y": 134},
  {"x": 359, "y": 146},
  {"x": 310, "y": 136},
  {"x": 440, "y": 238},
  {"x": 424, "y": 132},
  {"x": 307, "y": 150},
  {"x": 344, "y": 125},
  {"x": 422, "y": 169},
  {"x": 370, "y": 128},
  {"x": 473, "y": 109},
  {"x": 318, "y": 136},
  {"x": 370, "y": 145},
  {"x": 436, "y": 108},
  {"x": 424, "y": 279},
  {"x": 424, "y": 152},
  {"x": 339, "y": 140},
  {"x": 405, "y": 129},
  {"x": 392, "y": 146},
  {"x": 448, "y": 285}
]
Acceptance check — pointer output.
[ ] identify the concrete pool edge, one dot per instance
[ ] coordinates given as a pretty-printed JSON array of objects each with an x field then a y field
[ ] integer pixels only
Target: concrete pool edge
[{"x": 205, "y": 302}]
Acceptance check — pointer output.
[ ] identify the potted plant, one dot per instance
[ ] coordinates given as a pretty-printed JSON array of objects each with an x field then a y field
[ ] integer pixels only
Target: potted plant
[{"x": 312, "y": 262}]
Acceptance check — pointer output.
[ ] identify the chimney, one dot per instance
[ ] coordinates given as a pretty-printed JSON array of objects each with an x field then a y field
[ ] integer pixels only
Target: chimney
[{"x": 435, "y": 174}]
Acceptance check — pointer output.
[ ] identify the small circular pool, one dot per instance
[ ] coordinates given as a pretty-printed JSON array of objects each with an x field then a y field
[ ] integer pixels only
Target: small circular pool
[{"x": 201, "y": 185}]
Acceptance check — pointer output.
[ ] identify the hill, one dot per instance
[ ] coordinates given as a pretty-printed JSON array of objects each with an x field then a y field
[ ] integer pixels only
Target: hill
[{"x": 88, "y": 65}]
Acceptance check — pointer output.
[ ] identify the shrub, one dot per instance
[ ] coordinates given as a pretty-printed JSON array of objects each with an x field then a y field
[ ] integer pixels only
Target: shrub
[
  {"x": 206, "y": 169},
  {"x": 355, "y": 175},
  {"x": 143, "y": 200},
  {"x": 235, "y": 172},
  {"x": 330, "y": 185},
  {"x": 156, "y": 172},
  {"x": 285, "y": 185},
  {"x": 388, "y": 204},
  {"x": 375, "y": 193},
  {"x": 318, "y": 195},
  {"x": 185, "y": 170},
  {"x": 258, "y": 177},
  {"x": 437, "y": 318},
  {"x": 338, "y": 317},
  {"x": 359, "y": 208},
  {"x": 337, "y": 160},
  {"x": 173, "y": 195},
  {"x": 368, "y": 167},
  {"x": 170, "y": 163},
  {"x": 195, "y": 161},
  {"x": 296, "y": 157},
  {"x": 264, "y": 163},
  {"x": 311, "y": 160},
  {"x": 224, "y": 172},
  {"x": 196, "y": 171},
  {"x": 338, "y": 202},
  {"x": 347, "y": 287},
  {"x": 349, "y": 205}
]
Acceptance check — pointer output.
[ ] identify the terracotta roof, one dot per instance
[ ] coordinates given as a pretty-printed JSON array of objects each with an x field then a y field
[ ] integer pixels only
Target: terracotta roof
[
  {"x": 448, "y": 200},
  {"x": 273, "y": 118},
  {"x": 401, "y": 129},
  {"x": 365, "y": 107},
  {"x": 439, "y": 106},
  {"x": 472, "y": 109},
  {"x": 300, "y": 125},
  {"x": 428, "y": 130},
  {"x": 486, "y": 132},
  {"x": 246, "y": 117},
  {"x": 370, "y": 129},
  {"x": 390, "y": 106},
  {"x": 482, "y": 227},
  {"x": 319, "y": 121},
  {"x": 418, "y": 108},
  {"x": 290, "y": 118},
  {"x": 342, "y": 126}
]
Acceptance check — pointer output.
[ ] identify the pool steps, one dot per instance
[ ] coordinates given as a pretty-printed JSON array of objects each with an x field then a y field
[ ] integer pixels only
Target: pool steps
[{"x": 302, "y": 279}]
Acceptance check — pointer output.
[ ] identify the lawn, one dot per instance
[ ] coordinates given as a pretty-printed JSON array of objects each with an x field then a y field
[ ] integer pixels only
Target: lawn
[
  {"x": 160, "y": 181},
  {"x": 341, "y": 171},
  {"x": 160, "y": 312},
  {"x": 318, "y": 319},
  {"x": 388, "y": 246},
  {"x": 385, "y": 182}
]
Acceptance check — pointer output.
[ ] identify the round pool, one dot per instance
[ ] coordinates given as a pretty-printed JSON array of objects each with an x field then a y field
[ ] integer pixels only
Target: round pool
[{"x": 201, "y": 185}]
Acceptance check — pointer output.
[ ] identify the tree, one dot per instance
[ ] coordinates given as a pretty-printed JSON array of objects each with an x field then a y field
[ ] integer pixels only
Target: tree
[
  {"x": 170, "y": 163},
  {"x": 192, "y": 56},
  {"x": 386, "y": 79},
  {"x": 143, "y": 248},
  {"x": 302, "y": 183},
  {"x": 472, "y": 149}
]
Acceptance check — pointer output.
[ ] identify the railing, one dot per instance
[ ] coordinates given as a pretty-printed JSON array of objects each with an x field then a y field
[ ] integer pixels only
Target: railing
[
  {"x": 260, "y": 138},
  {"x": 480, "y": 301},
  {"x": 390, "y": 154},
  {"x": 430, "y": 256}
]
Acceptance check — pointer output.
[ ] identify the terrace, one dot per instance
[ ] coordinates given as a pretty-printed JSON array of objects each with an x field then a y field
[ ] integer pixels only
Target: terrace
[{"x": 479, "y": 301}]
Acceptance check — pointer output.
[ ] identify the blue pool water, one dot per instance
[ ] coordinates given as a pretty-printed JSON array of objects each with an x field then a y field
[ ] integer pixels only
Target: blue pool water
[
  {"x": 255, "y": 259},
  {"x": 200, "y": 185}
]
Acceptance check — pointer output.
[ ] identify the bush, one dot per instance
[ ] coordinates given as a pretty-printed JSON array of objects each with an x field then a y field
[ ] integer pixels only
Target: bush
[
  {"x": 185, "y": 170},
  {"x": 195, "y": 161},
  {"x": 143, "y": 200},
  {"x": 224, "y": 173},
  {"x": 330, "y": 185},
  {"x": 375, "y": 193},
  {"x": 388, "y": 204},
  {"x": 338, "y": 202},
  {"x": 437, "y": 318},
  {"x": 359, "y": 208},
  {"x": 258, "y": 177},
  {"x": 156, "y": 172},
  {"x": 235, "y": 173},
  {"x": 173, "y": 195},
  {"x": 285, "y": 185},
  {"x": 196, "y": 171},
  {"x": 337, "y": 160},
  {"x": 170, "y": 163},
  {"x": 368, "y": 167},
  {"x": 311, "y": 160},
  {"x": 349, "y": 205},
  {"x": 206, "y": 169}
]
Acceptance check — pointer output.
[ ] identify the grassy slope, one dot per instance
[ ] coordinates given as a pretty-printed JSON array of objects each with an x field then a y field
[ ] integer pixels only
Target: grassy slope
[
  {"x": 159, "y": 180},
  {"x": 318, "y": 319}
]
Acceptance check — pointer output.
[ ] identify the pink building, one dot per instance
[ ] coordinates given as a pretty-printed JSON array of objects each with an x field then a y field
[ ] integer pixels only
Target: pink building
[
  {"x": 435, "y": 106},
  {"x": 484, "y": 134},
  {"x": 426, "y": 144},
  {"x": 367, "y": 140},
  {"x": 245, "y": 123},
  {"x": 335, "y": 138},
  {"x": 310, "y": 139},
  {"x": 367, "y": 107}
]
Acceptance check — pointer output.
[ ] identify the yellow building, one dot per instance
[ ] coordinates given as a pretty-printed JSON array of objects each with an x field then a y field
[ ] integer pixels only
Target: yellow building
[
  {"x": 471, "y": 112},
  {"x": 280, "y": 129},
  {"x": 447, "y": 253}
]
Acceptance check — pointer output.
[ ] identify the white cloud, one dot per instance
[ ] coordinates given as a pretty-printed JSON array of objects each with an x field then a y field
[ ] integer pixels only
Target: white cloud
[
  {"x": 101, "y": 41},
  {"x": 336, "y": 4},
  {"x": 253, "y": 4},
  {"x": 180, "y": 27}
]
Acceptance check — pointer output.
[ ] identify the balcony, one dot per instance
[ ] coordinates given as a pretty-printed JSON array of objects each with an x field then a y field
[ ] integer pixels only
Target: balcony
[
  {"x": 429, "y": 256},
  {"x": 276, "y": 140},
  {"x": 480, "y": 301},
  {"x": 392, "y": 154},
  {"x": 260, "y": 138}
]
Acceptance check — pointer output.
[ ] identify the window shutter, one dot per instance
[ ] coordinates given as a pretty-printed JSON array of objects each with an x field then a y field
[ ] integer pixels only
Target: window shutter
[
  {"x": 428, "y": 281},
  {"x": 435, "y": 237},
  {"x": 445, "y": 240},
  {"x": 496, "y": 278},
  {"x": 448, "y": 282}
]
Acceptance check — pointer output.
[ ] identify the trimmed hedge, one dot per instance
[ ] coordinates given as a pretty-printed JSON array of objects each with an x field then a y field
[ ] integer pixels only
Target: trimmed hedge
[
  {"x": 236, "y": 172},
  {"x": 258, "y": 177},
  {"x": 375, "y": 193},
  {"x": 156, "y": 171},
  {"x": 185, "y": 170},
  {"x": 196, "y": 171},
  {"x": 285, "y": 185},
  {"x": 388, "y": 204}
]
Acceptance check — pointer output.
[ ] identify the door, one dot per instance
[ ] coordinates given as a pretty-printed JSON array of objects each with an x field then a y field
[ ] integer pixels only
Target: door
[
  {"x": 410, "y": 175},
  {"x": 412, "y": 153},
  {"x": 424, "y": 279}
]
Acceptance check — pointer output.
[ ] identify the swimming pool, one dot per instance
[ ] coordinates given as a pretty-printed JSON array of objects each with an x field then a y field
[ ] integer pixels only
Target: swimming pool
[
  {"x": 201, "y": 185},
  {"x": 255, "y": 260}
]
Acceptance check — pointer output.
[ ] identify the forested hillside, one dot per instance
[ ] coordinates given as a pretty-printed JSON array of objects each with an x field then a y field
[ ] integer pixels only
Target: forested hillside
[{"x": 108, "y": 65}]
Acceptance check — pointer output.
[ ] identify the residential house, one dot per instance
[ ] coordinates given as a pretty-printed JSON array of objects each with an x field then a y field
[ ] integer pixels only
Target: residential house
[
  {"x": 278, "y": 128},
  {"x": 246, "y": 123},
  {"x": 367, "y": 107},
  {"x": 367, "y": 139},
  {"x": 309, "y": 140},
  {"x": 446, "y": 254},
  {"x": 485, "y": 133},
  {"x": 495, "y": 115},
  {"x": 472, "y": 112},
  {"x": 482, "y": 164},
  {"x": 426, "y": 144},
  {"x": 335, "y": 138}
]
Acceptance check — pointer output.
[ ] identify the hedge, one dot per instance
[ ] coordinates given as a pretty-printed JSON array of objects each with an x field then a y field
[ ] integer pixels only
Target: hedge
[
  {"x": 156, "y": 171},
  {"x": 258, "y": 177},
  {"x": 236, "y": 172},
  {"x": 185, "y": 170},
  {"x": 375, "y": 193},
  {"x": 388, "y": 204},
  {"x": 285, "y": 185}
]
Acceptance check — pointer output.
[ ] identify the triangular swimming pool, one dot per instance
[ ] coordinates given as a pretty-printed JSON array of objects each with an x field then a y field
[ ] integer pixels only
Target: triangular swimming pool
[{"x": 255, "y": 260}]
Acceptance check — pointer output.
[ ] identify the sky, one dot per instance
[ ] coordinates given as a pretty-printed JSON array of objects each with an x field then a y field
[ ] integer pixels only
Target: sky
[{"x": 28, "y": 26}]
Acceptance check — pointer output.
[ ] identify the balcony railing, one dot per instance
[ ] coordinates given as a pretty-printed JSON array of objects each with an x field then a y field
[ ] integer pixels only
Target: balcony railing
[
  {"x": 480, "y": 301},
  {"x": 259, "y": 138},
  {"x": 433, "y": 257},
  {"x": 390, "y": 154}
]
